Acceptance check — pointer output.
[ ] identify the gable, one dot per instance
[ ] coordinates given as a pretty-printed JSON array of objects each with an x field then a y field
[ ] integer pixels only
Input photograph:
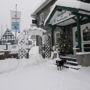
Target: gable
[{"x": 8, "y": 37}]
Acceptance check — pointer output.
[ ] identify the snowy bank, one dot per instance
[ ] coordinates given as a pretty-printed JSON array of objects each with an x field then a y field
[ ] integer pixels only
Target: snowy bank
[
  {"x": 11, "y": 64},
  {"x": 46, "y": 77},
  {"x": 8, "y": 65}
]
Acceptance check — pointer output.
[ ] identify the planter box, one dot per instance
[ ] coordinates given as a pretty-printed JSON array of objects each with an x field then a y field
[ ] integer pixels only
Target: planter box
[{"x": 83, "y": 58}]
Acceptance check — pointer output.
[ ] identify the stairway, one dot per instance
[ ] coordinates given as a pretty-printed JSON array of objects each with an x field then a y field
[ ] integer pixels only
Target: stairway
[{"x": 71, "y": 62}]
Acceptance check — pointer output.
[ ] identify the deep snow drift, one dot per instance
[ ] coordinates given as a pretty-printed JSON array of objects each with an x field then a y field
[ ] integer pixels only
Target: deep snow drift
[{"x": 39, "y": 74}]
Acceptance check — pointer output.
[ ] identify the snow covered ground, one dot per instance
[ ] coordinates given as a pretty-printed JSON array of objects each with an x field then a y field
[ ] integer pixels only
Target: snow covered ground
[{"x": 39, "y": 74}]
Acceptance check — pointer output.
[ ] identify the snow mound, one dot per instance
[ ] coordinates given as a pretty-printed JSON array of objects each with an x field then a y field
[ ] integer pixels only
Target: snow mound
[
  {"x": 34, "y": 50},
  {"x": 36, "y": 59},
  {"x": 8, "y": 65}
]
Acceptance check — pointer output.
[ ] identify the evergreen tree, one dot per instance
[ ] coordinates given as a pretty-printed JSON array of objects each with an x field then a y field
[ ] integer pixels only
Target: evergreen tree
[{"x": 65, "y": 44}]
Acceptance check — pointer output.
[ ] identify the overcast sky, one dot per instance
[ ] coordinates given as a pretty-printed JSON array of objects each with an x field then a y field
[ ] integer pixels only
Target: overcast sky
[{"x": 25, "y": 6}]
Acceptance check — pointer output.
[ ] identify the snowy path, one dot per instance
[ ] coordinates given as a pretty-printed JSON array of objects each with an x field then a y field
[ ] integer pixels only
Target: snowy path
[{"x": 44, "y": 76}]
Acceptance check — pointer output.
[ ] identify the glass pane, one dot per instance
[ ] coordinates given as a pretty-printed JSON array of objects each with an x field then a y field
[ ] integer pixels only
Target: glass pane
[
  {"x": 86, "y": 34},
  {"x": 87, "y": 47}
]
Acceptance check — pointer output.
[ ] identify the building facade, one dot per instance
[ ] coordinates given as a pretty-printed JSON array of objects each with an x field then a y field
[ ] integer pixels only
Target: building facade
[
  {"x": 68, "y": 24},
  {"x": 8, "y": 38},
  {"x": 41, "y": 12},
  {"x": 69, "y": 15},
  {"x": 54, "y": 31}
]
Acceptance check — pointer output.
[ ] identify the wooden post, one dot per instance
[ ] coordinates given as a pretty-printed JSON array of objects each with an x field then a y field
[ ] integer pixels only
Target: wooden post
[
  {"x": 79, "y": 33},
  {"x": 52, "y": 35}
]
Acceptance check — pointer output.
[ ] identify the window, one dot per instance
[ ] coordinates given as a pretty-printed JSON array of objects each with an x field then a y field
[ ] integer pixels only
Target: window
[
  {"x": 86, "y": 39},
  {"x": 3, "y": 38},
  {"x": 87, "y": 47},
  {"x": 86, "y": 34}
]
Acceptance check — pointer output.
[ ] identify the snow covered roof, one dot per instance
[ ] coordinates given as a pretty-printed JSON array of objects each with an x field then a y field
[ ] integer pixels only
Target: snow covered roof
[
  {"x": 38, "y": 29},
  {"x": 78, "y": 5},
  {"x": 43, "y": 5},
  {"x": 3, "y": 32},
  {"x": 74, "y": 4}
]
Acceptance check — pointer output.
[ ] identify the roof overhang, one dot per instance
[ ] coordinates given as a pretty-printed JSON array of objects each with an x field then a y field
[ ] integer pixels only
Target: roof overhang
[{"x": 63, "y": 13}]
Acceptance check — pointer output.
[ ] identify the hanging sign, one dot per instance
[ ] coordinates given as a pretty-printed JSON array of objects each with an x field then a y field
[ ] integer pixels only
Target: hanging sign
[
  {"x": 15, "y": 25},
  {"x": 15, "y": 20}
]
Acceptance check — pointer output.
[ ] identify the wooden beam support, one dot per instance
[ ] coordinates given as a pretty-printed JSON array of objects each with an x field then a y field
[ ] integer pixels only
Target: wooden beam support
[
  {"x": 52, "y": 34},
  {"x": 79, "y": 32}
]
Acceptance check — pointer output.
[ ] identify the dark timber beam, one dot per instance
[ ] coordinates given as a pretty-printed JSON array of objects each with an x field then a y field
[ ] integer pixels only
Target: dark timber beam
[
  {"x": 79, "y": 32},
  {"x": 52, "y": 34}
]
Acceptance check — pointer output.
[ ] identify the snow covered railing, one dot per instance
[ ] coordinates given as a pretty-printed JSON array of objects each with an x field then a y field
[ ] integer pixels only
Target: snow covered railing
[{"x": 68, "y": 58}]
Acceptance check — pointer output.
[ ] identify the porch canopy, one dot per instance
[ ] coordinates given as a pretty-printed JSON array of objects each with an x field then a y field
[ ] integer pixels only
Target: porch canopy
[
  {"x": 64, "y": 12},
  {"x": 67, "y": 12}
]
